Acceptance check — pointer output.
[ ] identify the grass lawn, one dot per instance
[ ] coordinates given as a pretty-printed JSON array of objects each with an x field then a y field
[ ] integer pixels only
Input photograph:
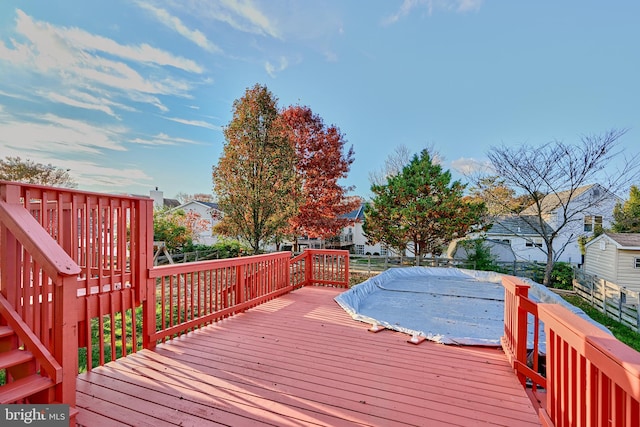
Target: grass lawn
[{"x": 620, "y": 331}]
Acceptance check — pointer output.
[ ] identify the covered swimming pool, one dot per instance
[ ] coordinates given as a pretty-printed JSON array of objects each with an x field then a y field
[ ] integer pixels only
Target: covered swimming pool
[{"x": 446, "y": 305}]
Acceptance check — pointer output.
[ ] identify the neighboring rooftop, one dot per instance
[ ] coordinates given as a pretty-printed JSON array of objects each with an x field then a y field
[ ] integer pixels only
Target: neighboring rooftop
[
  {"x": 625, "y": 240},
  {"x": 520, "y": 225}
]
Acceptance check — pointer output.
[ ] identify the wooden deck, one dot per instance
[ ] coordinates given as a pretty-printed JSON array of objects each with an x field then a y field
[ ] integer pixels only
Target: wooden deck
[{"x": 300, "y": 360}]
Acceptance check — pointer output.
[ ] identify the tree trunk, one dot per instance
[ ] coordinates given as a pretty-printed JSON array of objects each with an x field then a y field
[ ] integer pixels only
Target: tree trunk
[{"x": 549, "y": 267}]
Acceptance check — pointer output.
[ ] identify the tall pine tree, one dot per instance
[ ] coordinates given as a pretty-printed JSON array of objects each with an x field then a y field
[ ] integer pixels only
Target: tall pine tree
[{"x": 421, "y": 208}]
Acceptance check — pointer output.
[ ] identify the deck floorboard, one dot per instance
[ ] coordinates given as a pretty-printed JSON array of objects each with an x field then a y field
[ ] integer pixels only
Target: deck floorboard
[{"x": 300, "y": 360}]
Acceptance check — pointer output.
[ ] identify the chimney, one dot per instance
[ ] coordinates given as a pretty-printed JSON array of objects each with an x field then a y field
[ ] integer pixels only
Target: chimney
[{"x": 158, "y": 198}]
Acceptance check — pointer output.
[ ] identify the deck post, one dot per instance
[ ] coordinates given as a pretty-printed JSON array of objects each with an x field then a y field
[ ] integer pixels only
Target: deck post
[
  {"x": 146, "y": 285},
  {"x": 521, "y": 328},
  {"x": 308, "y": 268},
  {"x": 65, "y": 329}
]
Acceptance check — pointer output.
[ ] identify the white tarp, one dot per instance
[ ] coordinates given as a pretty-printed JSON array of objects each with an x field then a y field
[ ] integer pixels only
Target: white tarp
[{"x": 446, "y": 305}]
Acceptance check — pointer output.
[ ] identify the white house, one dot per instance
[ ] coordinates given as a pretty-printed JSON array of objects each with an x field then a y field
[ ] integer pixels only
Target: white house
[
  {"x": 615, "y": 257},
  {"x": 209, "y": 213},
  {"x": 585, "y": 208}
]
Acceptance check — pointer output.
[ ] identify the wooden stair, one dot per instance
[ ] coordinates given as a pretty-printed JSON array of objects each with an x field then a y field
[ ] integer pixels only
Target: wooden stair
[{"x": 22, "y": 383}]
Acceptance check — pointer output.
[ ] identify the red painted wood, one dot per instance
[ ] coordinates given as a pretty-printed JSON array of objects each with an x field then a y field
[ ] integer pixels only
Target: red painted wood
[
  {"x": 301, "y": 360},
  {"x": 594, "y": 378}
]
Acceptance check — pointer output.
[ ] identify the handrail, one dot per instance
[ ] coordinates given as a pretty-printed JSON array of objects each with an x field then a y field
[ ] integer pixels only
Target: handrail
[
  {"x": 194, "y": 294},
  {"x": 518, "y": 309},
  {"x": 593, "y": 379},
  {"x": 37, "y": 241},
  {"x": 32, "y": 258}
]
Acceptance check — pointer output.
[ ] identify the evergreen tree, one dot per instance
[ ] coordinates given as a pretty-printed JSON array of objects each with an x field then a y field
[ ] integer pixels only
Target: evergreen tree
[
  {"x": 421, "y": 208},
  {"x": 626, "y": 217}
]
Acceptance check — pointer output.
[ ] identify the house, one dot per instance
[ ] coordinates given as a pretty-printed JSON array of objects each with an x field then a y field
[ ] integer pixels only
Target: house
[
  {"x": 160, "y": 202},
  {"x": 209, "y": 213},
  {"x": 351, "y": 238},
  {"x": 501, "y": 250},
  {"x": 586, "y": 208},
  {"x": 517, "y": 232},
  {"x": 615, "y": 257}
]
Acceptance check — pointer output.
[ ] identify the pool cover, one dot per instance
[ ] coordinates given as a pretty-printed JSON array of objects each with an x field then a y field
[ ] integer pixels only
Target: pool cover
[{"x": 446, "y": 305}]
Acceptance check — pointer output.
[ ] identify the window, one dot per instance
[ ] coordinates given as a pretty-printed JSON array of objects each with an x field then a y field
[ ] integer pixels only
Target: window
[
  {"x": 359, "y": 249},
  {"x": 592, "y": 222},
  {"x": 537, "y": 243},
  {"x": 383, "y": 251},
  {"x": 636, "y": 262}
]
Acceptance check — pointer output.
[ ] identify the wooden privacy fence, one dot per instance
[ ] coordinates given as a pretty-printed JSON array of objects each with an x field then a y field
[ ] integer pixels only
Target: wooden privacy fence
[
  {"x": 615, "y": 301},
  {"x": 589, "y": 377}
]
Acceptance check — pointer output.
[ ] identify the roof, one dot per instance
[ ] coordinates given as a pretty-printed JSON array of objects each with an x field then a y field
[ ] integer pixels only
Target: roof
[
  {"x": 170, "y": 203},
  {"x": 516, "y": 225},
  {"x": 551, "y": 201},
  {"x": 621, "y": 240},
  {"x": 356, "y": 214},
  {"x": 210, "y": 205}
]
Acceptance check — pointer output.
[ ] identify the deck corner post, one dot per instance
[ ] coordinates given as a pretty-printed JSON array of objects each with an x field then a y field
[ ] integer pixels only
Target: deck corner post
[
  {"x": 308, "y": 268},
  {"x": 346, "y": 270},
  {"x": 66, "y": 337}
]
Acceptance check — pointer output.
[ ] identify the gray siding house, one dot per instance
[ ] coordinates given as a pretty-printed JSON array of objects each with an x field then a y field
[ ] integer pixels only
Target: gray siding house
[{"x": 615, "y": 257}]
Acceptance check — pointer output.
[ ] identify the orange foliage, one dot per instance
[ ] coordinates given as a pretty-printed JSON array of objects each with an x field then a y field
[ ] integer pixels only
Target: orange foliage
[{"x": 320, "y": 164}]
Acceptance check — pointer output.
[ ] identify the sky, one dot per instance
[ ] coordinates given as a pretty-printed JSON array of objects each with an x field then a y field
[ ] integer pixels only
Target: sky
[{"x": 130, "y": 95}]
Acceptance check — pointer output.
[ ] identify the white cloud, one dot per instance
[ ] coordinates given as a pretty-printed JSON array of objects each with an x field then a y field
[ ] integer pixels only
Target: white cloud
[
  {"x": 53, "y": 134},
  {"x": 63, "y": 99},
  {"x": 241, "y": 15},
  {"x": 197, "y": 123},
  {"x": 195, "y": 36},
  {"x": 469, "y": 166},
  {"x": 103, "y": 178},
  {"x": 164, "y": 139},
  {"x": 408, "y": 6},
  {"x": 273, "y": 69},
  {"x": 89, "y": 63},
  {"x": 65, "y": 43}
]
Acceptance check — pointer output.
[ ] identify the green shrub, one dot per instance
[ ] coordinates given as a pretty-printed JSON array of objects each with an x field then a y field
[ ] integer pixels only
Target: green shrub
[
  {"x": 562, "y": 276},
  {"x": 479, "y": 255}
]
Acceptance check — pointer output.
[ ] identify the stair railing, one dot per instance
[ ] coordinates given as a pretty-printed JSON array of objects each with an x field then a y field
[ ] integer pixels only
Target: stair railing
[{"x": 38, "y": 284}]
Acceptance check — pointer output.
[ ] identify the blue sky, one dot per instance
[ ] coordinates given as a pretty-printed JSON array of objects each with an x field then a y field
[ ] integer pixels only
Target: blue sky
[{"x": 133, "y": 95}]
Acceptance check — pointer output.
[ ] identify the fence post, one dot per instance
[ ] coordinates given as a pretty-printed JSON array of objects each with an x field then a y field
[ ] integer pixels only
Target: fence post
[
  {"x": 604, "y": 296},
  {"x": 308, "y": 269}
]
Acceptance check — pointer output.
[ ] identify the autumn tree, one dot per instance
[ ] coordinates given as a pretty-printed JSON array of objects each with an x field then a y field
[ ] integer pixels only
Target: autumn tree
[
  {"x": 177, "y": 228},
  {"x": 421, "y": 208},
  {"x": 255, "y": 177},
  {"x": 498, "y": 198},
  {"x": 553, "y": 174},
  {"x": 320, "y": 201},
  {"x": 28, "y": 171},
  {"x": 626, "y": 216}
]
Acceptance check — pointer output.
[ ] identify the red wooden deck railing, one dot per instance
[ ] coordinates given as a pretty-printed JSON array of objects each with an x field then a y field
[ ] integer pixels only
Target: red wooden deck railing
[
  {"x": 198, "y": 293},
  {"x": 37, "y": 298},
  {"x": 72, "y": 260},
  {"x": 592, "y": 379}
]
